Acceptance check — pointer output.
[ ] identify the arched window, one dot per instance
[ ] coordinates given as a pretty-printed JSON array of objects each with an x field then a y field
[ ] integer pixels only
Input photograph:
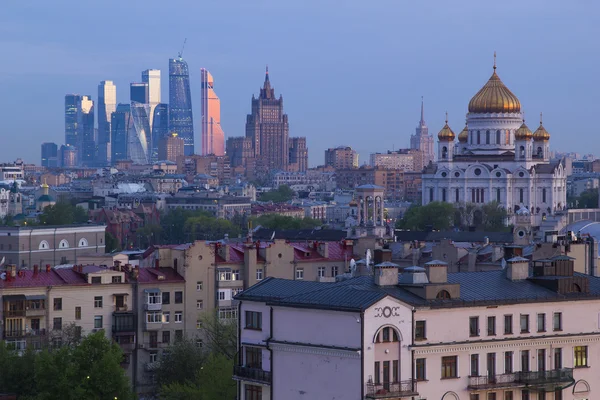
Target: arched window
[
  {"x": 44, "y": 245},
  {"x": 457, "y": 195},
  {"x": 63, "y": 244},
  {"x": 543, "y": 195},
  {"x": 444, "y": 194},
  {"x": 576, "y": 288},
  {"x": 540, "y": 152},
  {"x": 387, "y": 334},
  {"x": 522, "y": 151},
  {"x": 444, "y": 152},
  {"x": 443, "y": 295},
  {"x": 487, "y": 137},
  {"x": 498, "y": 136},
  {"x": 478, "y": 137},
  {"x": 83, "y": 242}
]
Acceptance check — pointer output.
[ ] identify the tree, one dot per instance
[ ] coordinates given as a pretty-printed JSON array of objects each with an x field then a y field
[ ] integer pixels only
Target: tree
[
  {"x": 209, "y": 228},
  {"x": 276, "y": 221},
  {"x": 180, "y": 363},
  {"x": 282, "y": 194},
  {"x": 587, "y": 199},
  {"x": 435, "y": 215},
  {"x": 494, "y": 216},
  {"x": 63, "y": 213},
  {"x": 220, "y": 334},
  {"x": 111, "y": 243},
  {"x": 148, "y": 235}
]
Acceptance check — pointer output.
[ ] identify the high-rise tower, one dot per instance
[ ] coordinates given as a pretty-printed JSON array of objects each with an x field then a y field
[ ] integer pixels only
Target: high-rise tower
[
  {"x": 107, "y": 104},
  {"x": 181, "y": 120},
  {"x": 422, "y": 140},
  {"x": 268, "y": 129},
  {"x": 71, "y": 110},
  {"x": 151, "y": 77},
  {"x": 213, "y": 138},
  {"x": 121, "y": 123},
  {"x": 86, "y": 134}
]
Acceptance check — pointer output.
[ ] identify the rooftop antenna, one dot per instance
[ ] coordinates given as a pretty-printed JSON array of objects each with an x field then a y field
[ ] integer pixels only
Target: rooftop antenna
[{"x": 180, "y": 55}]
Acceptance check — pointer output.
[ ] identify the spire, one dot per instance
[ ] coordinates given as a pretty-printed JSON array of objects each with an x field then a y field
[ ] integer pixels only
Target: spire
[
  {"x": 267, "y": 74},
  {"x": 422, "y": 112},
  {"x": 446, "y": 117},
  {"x": 541, "y": 118},
  {"x": 266, "y": 91},
  {"x": 494, "y": 60}
]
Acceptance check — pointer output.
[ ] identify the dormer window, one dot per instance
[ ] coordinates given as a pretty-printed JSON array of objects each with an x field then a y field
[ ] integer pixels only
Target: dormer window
[
  {"x": 96, "y": 280},
  {"x": 443, "y": 295}
]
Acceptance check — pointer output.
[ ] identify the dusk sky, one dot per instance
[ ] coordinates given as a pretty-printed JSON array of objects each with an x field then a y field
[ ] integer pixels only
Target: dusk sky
[{"x": 351, "y": 72}]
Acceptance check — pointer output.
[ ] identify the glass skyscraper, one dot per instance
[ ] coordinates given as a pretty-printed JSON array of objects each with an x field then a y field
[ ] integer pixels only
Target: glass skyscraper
[
  {"x": 139, "y": 138},
  {"x": 71, "y": 107},
  {"x": 49, "y": 155},
  {"x": 151, "y": 77},
  {"x": 181, "y": 120},
  {"x": 138, "y": 92},
  {"x": 160, "y": 127},
  {"x": 213, "y": 140},
  {"x": 107, "y": 104},
  {"x": 121, "y": 123},
  {"x": 86, "y": 133}
]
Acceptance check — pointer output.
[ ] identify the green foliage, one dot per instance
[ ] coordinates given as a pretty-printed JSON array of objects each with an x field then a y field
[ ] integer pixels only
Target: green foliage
[
  {"x": 179, "y": 364},
  {"x": 494, "y": 216},
  {"x": 281, "y": 195},
  {"x": 111, "y": 243},
  {"x": 173, "y": 221},
  {"x": 209, "y": 228},
  {"x": 587, "y": 199},
  {"x": 148, "y": 235},
  {"x": 220, "y": 334},
  {"x": 89, "y": 370},
  {"x": 63, "y": 213},
  {"x": 435, "y": 215},
  {"x": 276, "y": 221}
]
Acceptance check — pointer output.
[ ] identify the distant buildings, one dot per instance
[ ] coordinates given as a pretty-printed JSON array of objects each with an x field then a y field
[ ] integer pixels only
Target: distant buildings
[
  {"x": 138, "y": 92},
  {"x": 406, "y": 160},
  {"x": 121, "y": 123},
  {"x": 216, "y": 166},
  {"x": 213, "y": 138},
  {"x": 79, "y": 127},
  {"x": 170, "y": 148},
  {"x": 72, "y": 102},
  {"x": 423, "y": 141},
  {"x": 181, "y": 120},
  {"x": 107, "y": 104},
  {"x": 139, "y": 139},
  {"x": 298, "y": 157},
  {"x": 342, "y": 157},
  {"x": 239, "y": 150},
  {"x": 151, "y": 77},
  {"x": 49, "y": 155}
]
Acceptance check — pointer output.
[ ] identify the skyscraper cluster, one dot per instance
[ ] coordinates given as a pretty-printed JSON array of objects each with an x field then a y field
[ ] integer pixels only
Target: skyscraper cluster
[{"x": 135, "y": 131}]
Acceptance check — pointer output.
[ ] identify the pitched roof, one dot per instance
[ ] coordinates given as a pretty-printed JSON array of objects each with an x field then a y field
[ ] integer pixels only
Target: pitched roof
[
  {"x": 300, "y": 234},
  {"x": 159, "y": 275}
]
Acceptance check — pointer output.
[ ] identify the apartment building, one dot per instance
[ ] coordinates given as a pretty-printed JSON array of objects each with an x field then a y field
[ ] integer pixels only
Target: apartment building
[
  {"x": 26, "y": 246},
  {"x": 523, "y": 333}
]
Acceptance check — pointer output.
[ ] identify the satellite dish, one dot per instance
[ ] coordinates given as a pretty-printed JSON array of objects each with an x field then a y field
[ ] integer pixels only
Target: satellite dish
[
  {"x": 2, "y": 262},
  {"x": 352, "y": 265},
  {"x": 3, "y": 276}
]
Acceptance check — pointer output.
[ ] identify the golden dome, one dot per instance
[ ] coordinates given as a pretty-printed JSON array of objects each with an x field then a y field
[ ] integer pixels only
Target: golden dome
[
  {"x": 541, "y": 133},
  {"x": 463, "y": 136},
  {"x": 446, "y": 133},
  {"x": 494, "y": 97},
  {"x": 523, "y": 133}
]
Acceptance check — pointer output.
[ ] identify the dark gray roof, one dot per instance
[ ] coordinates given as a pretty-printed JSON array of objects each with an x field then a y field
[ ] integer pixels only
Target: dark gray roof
[
  {"x": 359, "y": 293},
  {"x": 466, "y": 236},
  {"x": 331, "y": 235}
]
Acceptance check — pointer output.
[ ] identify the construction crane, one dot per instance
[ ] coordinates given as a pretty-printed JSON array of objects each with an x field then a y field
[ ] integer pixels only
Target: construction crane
[{"x": 182, "y": 47}]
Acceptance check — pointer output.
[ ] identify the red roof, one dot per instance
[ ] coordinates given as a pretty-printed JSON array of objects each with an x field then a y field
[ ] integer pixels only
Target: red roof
[
  {"x": 154, "y": 275},
  {"x": 56, "y": 277},
  {"x": 336, "y": 252}
]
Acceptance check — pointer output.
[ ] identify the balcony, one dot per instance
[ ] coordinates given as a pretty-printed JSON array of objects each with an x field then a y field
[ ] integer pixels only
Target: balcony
[
  {"x": 493, "y": 381},
  {"x": 153, "y": 306},
  {"x": 257, "y": 375},
  {"x": 35, "y": 312},
  {"x": 123, "y": 322},
  {"x": 547, "y": 380},
  {"x": 14, "y": 313},
  {"x": 21, "y": 333},
  {"x": 391, "y": 390}
]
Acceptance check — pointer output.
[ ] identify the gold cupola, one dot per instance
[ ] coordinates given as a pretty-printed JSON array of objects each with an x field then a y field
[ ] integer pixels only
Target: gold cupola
[
  {"x": 494, "y": 97},
  {"x": 463, "y": 136},
  {"x": 541, "y": 133},
  {"x": 523, "y": 133},
  {"x": 446, "y": 134}
]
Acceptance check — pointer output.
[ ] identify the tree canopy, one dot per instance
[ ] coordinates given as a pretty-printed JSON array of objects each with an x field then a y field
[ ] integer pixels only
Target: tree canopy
[
  {"x": 63, "y": 213},
  {"x": 435, "y": 215},
  {"x": 282, "y": 194},
  {"x": 587, "y": 199},
  {"x": 88, "y": 370}
]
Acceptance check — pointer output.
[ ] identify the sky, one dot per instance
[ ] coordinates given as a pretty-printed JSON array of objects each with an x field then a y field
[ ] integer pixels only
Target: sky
[{"x": 350, "y": 72}]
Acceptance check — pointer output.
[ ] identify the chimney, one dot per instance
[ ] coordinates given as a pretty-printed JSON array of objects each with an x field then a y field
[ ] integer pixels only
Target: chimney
[
  {"x": 517, "y": 268},
  {"x": 47, "y": 267},
  {"x": 156, "y": 263},
  {"x": 437, "y": 271},
  {"x": 36, "y": 269},
  {"x": 486, "y": 240},
  {"x": 13, "y": 271},
  {"x": 386, "y": 274},
  {"x": 382, "y": 255},
  {"x": 21, "y": 273},
  {"x": 323, "y": 248},
  {"x": 135, "y": 273}
]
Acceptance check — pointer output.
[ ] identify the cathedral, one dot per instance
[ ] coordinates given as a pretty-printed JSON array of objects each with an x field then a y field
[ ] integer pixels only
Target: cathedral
[{"x": 497, "y": 158}]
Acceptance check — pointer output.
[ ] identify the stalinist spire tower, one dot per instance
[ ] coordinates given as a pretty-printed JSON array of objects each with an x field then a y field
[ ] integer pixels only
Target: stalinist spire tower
[{"x": 421, "y": 140}]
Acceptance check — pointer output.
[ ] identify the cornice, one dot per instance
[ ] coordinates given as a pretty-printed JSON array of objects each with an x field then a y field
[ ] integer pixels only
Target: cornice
[{"x": 323, "y": 351}]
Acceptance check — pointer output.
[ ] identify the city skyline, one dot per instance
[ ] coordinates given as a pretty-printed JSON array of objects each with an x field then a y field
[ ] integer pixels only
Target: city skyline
[{"x": 446, "y": 73}]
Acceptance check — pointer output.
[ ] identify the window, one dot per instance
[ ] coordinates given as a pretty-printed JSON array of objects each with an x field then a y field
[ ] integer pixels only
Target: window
[
  {"x": 166, "y": 297},
  {"x": 221, "y": 295},
  {"x": 235, "y": 275},
  {"x": 457, "y": 195},
  {"x": 508, "y": 362},
  {"x": 430, "y": 194},
  {"x": 199, "y": 304},
  {"x": 199, "y": 286},
  {"x": 508, "y": 328},
  {"x": 253, "y": 357},
  {"x": 166, "y": 337},
  {"x": 253, "y": 392},
  {"x": 395, "y": 371},
  {"x": 491, "y": 364},
  {"x": 153, "y": 339},
  {"x": 498, "y": 195},
  {"x": 444, "y": 194},
  {"x": 508, "y": 395},
  {"x": 178, "y": 297},
  {"x": 580, "y": 356},
  {"x": 420, "y": 330},
  {"x": 334, "y": 271},
  {"x": 228, "y": 313},
  {"x": 449, "y": 367},
  {"x": 154, "y": 298},
  {"x": 58, "y": 304},
  {"x": 166, "y": 317},
  {"x": 541, "y": 322},
  {"x": 420, "y": 372},
  {"x": 225, "y": 275},
  {"x": 558, "y": 394},
  {"x": 299, "y": 273},
  {"x": 557, "y": 321},
  {"x": 98, "y": 302},
  {"x": 77, "y": 312},
  {"x": 558, "y": 358},
  {"x": 474, "y": 365},
  {"x": 443, "y": 295},
  {"x": 98, "y": 322},
  {"x": 259, "y": 274},
  {"x": 57, "y": 324},
  {"x": 178, "y": 317},
  {"x": 153, "y": 317},
  {"x": 153, "y": 357},
  {"x": 525, "y": 395},
  {"x": 491, "y": 326},
  {"x": 253, "y": 320},
  {"x": 321, "y": 272},
  {"x": 524, "y": 323},
  {"x": 96, "y": 280},
  {"x": 474, "y": 396},
  {"x": 491, "y": 396},
  {"x": 544, "y": 195},
  {"x": 520, "y": 195},
  {"x": 377, "y": 372},
  {"x": 525, "y": 361},
  {"x": 474, "y": 326},
  {"x": 117, "y": 279}
]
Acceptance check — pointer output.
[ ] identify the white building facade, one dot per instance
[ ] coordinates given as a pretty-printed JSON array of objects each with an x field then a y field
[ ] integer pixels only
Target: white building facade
[
  {"x": 501, "y": 335},
  {"x": 497, "y": 158}
]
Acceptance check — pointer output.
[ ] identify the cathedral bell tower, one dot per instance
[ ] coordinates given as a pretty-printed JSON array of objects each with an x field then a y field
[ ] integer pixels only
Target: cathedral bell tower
[
  {"x": 446, "y": 144},
  {"x": 541, "y": 140},
  {"x": 523, "y": 145}
]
